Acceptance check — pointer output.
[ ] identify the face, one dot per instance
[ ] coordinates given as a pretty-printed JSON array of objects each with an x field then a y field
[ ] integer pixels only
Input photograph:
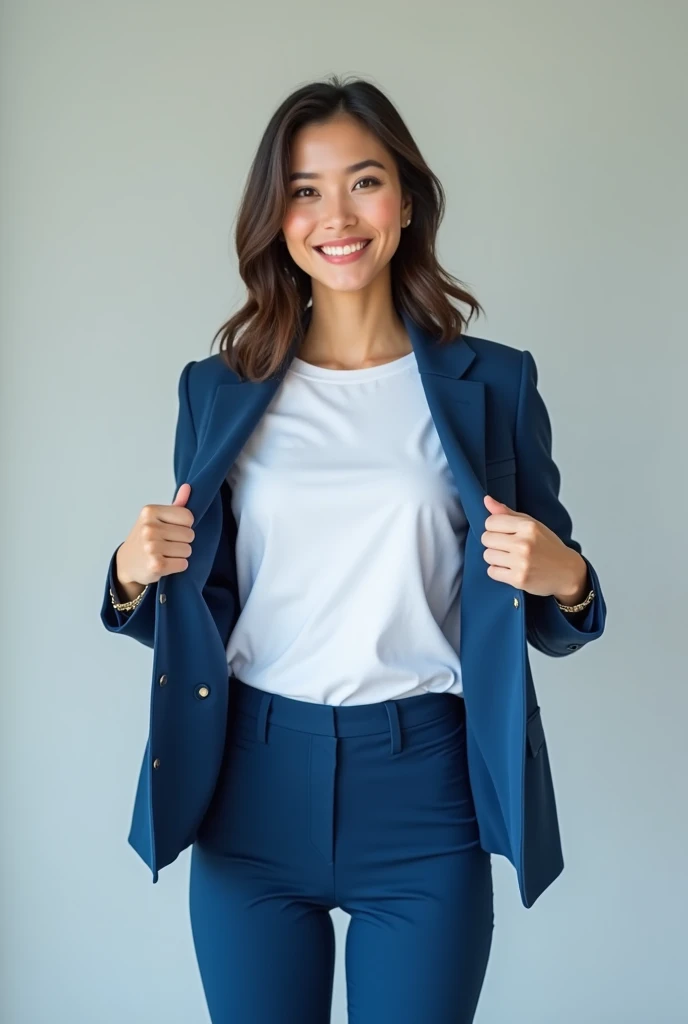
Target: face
[{"x": 329, "y": 203}]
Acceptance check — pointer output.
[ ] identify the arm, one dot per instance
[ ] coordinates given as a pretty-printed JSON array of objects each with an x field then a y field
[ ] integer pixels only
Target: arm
[
  {"x": 140, "y": 624},
  {"x": 548, "y": 629}
]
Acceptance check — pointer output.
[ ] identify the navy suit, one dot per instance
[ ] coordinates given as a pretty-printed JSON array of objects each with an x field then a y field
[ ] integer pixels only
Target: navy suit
[{"x": 495, "y": 432}]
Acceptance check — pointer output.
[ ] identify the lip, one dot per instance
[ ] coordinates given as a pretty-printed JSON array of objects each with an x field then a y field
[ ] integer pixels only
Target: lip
[{"x": 348, "y": 258}]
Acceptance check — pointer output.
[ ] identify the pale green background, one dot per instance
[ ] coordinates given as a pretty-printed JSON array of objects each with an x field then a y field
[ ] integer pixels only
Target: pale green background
[{"x": 559, "y": 132}]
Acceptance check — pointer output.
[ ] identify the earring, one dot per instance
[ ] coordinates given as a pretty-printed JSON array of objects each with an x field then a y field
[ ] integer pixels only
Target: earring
[{"x": 407, "y": 223}]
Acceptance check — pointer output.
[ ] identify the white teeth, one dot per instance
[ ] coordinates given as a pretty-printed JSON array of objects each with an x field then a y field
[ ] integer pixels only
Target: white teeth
[{"x": 332, "y": 250}]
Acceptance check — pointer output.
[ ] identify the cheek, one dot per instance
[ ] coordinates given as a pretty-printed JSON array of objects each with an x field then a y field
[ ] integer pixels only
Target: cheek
[
  {"x": 297, "y": 225},
  {"x": 384, "y": 212}
]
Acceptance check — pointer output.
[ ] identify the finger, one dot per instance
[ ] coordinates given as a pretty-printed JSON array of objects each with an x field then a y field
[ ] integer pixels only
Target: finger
[
  {"x": 500, "y": 541},
  {"x": 501, "y": 523},
  {"x": 175, "y": 565},
  {"x": 496, "y": 557},
  {"x": 174, "y": 533},
  {"x": 498, "y": 572},
  {"x": 164, "y": 555},
  {"x": 175, "y": 550},
  {"x": 182, "y": 495},
  {"x": 177, "y": 515}
]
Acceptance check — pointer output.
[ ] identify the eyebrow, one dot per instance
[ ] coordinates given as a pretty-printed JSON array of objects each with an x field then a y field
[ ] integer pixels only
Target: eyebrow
[{"x": 347, "y": 170}]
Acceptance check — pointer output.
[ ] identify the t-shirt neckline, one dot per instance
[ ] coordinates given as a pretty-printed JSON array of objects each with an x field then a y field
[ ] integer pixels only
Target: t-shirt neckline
[{"x": 304, "y": 369}]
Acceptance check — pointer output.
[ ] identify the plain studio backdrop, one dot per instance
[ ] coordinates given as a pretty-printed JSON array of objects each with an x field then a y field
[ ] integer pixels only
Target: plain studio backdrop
[{"x": 559, "y": 133}]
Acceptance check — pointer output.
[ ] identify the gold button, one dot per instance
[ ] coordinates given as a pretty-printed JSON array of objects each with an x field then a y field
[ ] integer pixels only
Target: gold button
[
  {"x": 163, "y": 679},
  {"x": 163, "y": 598},
  {"x": 156, "y": 763},
  {"x": 515, "y": 602},
  {"x": 203, "y": 691}
]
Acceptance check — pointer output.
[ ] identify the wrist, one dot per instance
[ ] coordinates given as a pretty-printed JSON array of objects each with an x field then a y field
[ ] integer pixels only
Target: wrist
[
  {"x": 126, "y": 588},
  {"x": 121, "y": 575},
  {"x": 578, "y": 585}
]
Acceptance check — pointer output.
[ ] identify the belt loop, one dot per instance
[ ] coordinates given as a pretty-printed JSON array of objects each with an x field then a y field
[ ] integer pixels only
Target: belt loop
[
  {"x": 262, "y": 725},
  {"x": 393, "y": 716}
]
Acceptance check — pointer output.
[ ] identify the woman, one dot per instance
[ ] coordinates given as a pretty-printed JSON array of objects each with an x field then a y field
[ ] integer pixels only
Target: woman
[{"x": 365, "y": 533}]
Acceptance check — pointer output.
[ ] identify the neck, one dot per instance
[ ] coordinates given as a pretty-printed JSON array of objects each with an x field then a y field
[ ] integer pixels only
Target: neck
[{"x": 348, "y": 331}]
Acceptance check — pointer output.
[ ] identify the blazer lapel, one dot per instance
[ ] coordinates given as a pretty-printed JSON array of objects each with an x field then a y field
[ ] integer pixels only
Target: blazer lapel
[
  {"x": 457, "y": 407},
  {"x": 235, "y": 411}
]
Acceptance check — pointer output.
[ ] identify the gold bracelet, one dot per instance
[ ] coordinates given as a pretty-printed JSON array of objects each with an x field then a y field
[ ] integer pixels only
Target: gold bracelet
[
  {"x": 576, "y": 607},
  {"x": 127, "y": 606}
]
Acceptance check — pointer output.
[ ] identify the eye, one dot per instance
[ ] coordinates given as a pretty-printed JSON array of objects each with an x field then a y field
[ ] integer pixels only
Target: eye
[
  {"x": 374, "y": 181},
  {"x": 308, "y": 188}
]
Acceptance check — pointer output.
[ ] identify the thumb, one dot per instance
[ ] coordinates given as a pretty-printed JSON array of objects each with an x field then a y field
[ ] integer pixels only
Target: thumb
[
  {"x": 182, "y": 495},
  {"x": 495, "y": 505}
]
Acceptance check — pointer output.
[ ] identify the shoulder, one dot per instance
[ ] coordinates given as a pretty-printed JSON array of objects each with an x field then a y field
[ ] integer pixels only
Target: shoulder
[
  {"x": 200, "y": 378},
  {"x": 495, "y": 358},
  {"x": 210, "y": 372},
  {"x": 505, "y": 370}
]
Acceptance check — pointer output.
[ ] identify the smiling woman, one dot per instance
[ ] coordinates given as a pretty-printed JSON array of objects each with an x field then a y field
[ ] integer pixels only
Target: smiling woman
[{"x": 367, "y": 534}]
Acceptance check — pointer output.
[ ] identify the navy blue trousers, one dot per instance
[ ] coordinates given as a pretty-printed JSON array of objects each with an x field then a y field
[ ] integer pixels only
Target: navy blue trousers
[{"x": 364, "y": 807}]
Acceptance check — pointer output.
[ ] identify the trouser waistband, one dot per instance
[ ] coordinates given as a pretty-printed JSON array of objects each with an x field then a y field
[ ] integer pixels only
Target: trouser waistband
[{"x": 341, "y": 720}]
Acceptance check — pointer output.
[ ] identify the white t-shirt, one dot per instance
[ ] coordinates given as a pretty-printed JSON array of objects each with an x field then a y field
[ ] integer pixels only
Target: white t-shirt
[{"x": 350, "y": 541}]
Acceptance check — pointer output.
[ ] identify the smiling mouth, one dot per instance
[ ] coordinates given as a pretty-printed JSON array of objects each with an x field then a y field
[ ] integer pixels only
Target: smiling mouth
[{"x": 344, "y": 256}]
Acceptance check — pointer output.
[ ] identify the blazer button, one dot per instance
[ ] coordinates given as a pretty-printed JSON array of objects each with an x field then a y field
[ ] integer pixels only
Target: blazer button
[
  {"x": 202, "y": 691},
  {"x": 163, "y": 679},
  {"x": 515, "y": 602},
  {"x": 163, "y": 598},
  {"x": 156, "y": 763}
]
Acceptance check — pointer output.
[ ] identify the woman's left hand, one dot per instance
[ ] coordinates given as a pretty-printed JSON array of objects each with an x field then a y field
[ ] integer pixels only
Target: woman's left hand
[{"x": 524, "y": 552}]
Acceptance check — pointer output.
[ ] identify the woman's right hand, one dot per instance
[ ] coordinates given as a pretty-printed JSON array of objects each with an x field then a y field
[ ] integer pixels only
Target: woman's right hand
[{"x": 159, "y": 542}]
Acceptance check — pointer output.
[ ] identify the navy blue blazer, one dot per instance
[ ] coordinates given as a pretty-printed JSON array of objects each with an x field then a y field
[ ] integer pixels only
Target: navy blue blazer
[{"x": 495, "y": 431}]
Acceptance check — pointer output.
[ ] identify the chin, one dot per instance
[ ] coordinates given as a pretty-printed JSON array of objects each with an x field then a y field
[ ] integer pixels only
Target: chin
[{"x": 345, "y": 286}]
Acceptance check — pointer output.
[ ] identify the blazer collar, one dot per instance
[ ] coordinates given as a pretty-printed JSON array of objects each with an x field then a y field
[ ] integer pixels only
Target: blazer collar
[
  {"x": 449, "y": 360},
  {"x": 457, "y": 407}
]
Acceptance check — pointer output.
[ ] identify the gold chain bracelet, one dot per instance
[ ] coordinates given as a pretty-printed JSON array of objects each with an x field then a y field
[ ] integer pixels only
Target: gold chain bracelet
[
  {"x": 128, "y": 606},
  {"x": 576, "y": 607}
]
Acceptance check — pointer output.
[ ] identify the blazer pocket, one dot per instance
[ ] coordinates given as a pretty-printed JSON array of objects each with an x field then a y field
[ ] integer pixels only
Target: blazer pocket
[
  {"x": 500, "y": 467},
  {"x": 535, "y": 733}
]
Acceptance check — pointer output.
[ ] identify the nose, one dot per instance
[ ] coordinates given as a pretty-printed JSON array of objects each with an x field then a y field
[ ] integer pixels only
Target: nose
[{"x": 338, "y": 214}]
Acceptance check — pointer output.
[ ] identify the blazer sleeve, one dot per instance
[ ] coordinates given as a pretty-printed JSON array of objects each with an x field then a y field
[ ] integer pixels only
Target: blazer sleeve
[
  {"x": 140, "y": 624},
  {"x": 548, "y": 628}
]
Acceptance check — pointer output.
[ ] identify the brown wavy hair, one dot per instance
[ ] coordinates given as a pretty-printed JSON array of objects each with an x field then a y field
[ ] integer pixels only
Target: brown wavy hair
[{"x": 255, "y": 341}]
